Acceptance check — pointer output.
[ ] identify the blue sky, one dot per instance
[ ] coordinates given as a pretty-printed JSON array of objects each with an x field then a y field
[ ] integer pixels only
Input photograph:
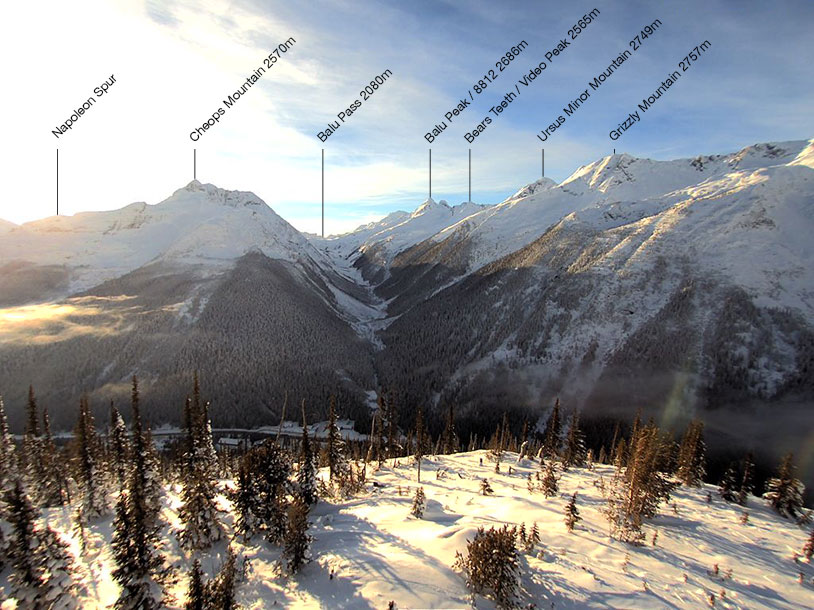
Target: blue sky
[{"x": 176, "y": 61}]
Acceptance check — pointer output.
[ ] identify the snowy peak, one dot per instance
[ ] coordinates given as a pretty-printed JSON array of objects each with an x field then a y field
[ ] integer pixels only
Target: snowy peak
[
  {"x": 430, "y": 205},
  {"x": 535, "y": 188},
  {"x": 209, "y": 193}
]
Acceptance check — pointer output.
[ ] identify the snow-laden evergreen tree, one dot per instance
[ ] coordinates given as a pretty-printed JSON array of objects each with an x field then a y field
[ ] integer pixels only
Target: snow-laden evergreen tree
[
  {"x": 296, "y": 541},
  {"x": 144, "y": 476},
  {"x": 8, "y": 459},
  {"x": 196, "y": 592},
  {"x": 93, "y": 500},
  {"x": 572, "y": 513},
  {"x": 271, "y": 468},
  {"x": 551, "y": 435},
  {"x": 784, "y": 492},
  {"x": 53, "y": 482},
  {"x": 31, "y": 455},
  {"x": 246, "y": 500},
  {"x": 728, "y": 487},
  {"x": 486, "y": 488},
  {"x": 198, "y": 512},
  {"x": 747, "y": 485},
  {"x": 307, "y": 471},
  {"x": 574, "y": 452},
  {"x": 118, "y": 448},
  {"x": 419, "y": 503},
  {"x": 136, "y": 527},
  {"x": 691, "y": 455},
  {"x": 222, "y": 588},
  {"x": 337, "y": 462},
  {"x": 42, "y": 569},
  {"x": 549, "y": 481}
]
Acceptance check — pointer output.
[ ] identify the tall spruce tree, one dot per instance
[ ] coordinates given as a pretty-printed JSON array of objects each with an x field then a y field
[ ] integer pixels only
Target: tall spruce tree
[
  {"x": 8, "y": 459},
  {"x": 136, "y": 526},
  {"x": 449, "y": 439},
  {"x": 747, "y": 485},
  {"x": 574, "y": 452},
  {"x": 198, "y": 512},
  {"x": 337, "y": 462},
  {"x": 691, "y": 455},
  {"x": 307, "y": 470},
  {"x": 636, "y": 491},
  {"x": 118, "y": 448},
  {"x": 53, "y": 490},
  {"x": 93, "y": 502},
  {"x": 784, "y": 492},
  {"x": 420, "y": 441},
  {"x": 551, "y": 435},
  {"x": 31, "y": 455},
  {"x": 572, "y": 513}
]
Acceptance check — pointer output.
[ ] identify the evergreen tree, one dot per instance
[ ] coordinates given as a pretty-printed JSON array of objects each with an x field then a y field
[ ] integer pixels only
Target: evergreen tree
[
  {"x": 8, "y": 463},
  {"x": 53, "y": 485},
  {"x": 270, "y": 468},
  {"x": 419, "y": 503},
  {"x": 747, "y": 480},
  {"x": 637, "y": 490},
  {"x": 296, "y": 541},
  {"x": 337, "y": 462},
  {"x": 785, "y": 492},
  {"x": 420, "y": 441},
  {"x": 118, "y": 447},
  {"x": 549, "y": 482},
  {"x": 691, "y": 455},
  {"x": 307, "y": 472},
  {"x": 728, "y": 485},
  {"x": 551, "y": 435},
  {"x": 222, "y": 590},
  {"x": 491, "y": 565},
  {"x": 90, "y": 481},
  {"x": 198, "y": 511},
  {"x": 196, "y": 594},
  {"x": 246, "y": 501},
  {"x": 572, "y": 513},
  {"x": 31, "y": 457},
  {"x": 485, "y": 488},
  {"x": 449, "y": 439},
  {"x": 574, "y": 454},
  {"x": 136, "y": 526},
  {"x": 808, "y": 549},
  {"x": 42, "y": 575}
]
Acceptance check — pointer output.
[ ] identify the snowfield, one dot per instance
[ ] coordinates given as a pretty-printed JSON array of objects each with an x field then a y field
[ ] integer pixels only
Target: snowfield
[{"x": 369, "y": 550}]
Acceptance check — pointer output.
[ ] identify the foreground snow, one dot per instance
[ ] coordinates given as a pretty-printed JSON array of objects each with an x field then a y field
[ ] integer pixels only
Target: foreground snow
[{"x": 369, "y": 550}]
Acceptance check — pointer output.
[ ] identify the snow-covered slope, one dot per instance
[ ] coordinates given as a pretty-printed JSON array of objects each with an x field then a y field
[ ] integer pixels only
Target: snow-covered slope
[
  {"x": 514, "y": 223},
  {"x": 369, "y": 551},
  {"x": 384, "y": 239},
  {"x": 6, "y": 226},
  {"x": 199, "y": 223}
]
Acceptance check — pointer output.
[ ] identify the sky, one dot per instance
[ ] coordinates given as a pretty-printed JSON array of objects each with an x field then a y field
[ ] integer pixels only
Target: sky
[{"x": 175, "y": 62}]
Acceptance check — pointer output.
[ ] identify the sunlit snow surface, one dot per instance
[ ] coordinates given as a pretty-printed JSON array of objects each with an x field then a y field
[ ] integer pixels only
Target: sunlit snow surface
[{"x": 377, "y": 552}]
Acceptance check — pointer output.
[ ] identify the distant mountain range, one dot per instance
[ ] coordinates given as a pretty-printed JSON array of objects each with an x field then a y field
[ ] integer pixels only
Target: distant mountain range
[{"x": 678, "y": 287}]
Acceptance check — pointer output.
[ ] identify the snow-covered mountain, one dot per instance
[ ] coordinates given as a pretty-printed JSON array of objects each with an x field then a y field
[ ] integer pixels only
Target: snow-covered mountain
[
  {"x": 674, "y": 286},
  {"x": 199, "y": 223},
  {"x": 207, "y": 279}
]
